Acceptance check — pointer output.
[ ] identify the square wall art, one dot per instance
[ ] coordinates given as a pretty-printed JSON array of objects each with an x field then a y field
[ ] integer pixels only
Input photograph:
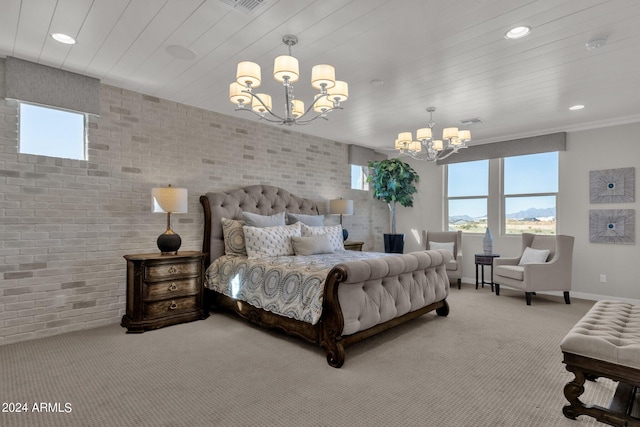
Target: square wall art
[
  {"x": 612, "y": 226},
  {"x": 612, "y": 185}
]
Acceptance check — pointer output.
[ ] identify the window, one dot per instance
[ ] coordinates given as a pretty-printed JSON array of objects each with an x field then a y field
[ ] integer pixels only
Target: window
[
  {"x": 467, "y": 196},
  {"x": 52, "y": 132},
  {"x": 526, "y": 191},
  {"x": 359, "y": 177},
  {"x": 530, "y": 193}
]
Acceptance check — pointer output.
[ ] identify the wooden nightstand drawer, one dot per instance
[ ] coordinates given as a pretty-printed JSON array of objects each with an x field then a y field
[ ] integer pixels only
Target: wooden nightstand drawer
[
  {"x": 164, "y": 290},
  {"x": 170, "y": 307},
  {"x": 171, "y": 289},
  {"x": 171, "y": 270}
]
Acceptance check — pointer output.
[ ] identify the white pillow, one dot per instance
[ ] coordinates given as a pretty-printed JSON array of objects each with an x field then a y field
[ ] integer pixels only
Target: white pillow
[
  {"x": 442, "y": 245},
  {"x": 257, "y": 220},
  {"x": 334, "y": 232},
  {"x": 312, "y": 245},
  {"x": 262, "y": 242},
  {"x": 311, "y": 220},
  {"x": 534, "y": 256},
  {"x": 233, "y": 237}
]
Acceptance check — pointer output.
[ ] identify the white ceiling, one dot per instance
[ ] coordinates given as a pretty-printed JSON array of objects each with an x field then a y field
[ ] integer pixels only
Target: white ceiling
[{"x": 447, "y": 53}]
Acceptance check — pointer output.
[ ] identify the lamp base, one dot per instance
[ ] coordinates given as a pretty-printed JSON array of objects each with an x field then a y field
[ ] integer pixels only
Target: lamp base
[{"x": 169, "y": 243}]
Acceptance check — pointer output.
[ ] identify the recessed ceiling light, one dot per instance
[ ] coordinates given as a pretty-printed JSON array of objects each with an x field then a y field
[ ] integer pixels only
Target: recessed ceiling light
[
  {"x": 576, "y": 107},
  {"x": 595, "y": 44},
  {"x": 376, "y": 82},
  {"x": 180, "y": 52},
  {"x": 63, "y": 38},
  {"x": 517, "y": 32}
]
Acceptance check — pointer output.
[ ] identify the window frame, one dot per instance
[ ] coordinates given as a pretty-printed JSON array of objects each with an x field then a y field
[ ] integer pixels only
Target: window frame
[
  {"x": 85, "y": 130},
  {"x": 496, "y": 196}
]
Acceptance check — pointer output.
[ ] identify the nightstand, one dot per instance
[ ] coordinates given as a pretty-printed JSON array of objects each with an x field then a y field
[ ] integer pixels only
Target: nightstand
[
  {"x": 163, "y": 290},
  {"x": 353, "y": 246}
]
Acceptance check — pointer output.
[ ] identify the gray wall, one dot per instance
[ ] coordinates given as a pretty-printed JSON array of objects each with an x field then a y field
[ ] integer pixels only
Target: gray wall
[
  {"x": 604, "y": 148},
  {"x": 65, "y": 224}
]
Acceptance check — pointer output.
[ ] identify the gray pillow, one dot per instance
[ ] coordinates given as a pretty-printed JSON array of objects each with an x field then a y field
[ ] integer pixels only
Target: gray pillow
[
  {"x": 256, "y": 220},
  {"x": 311, "y": 220},
  {"x": 312, "y": 245}
]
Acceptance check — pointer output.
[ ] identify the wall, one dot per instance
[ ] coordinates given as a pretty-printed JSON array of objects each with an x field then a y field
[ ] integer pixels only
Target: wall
[
  {"x": 596, "y": 149},
  {"x": 66, "y": 224}
]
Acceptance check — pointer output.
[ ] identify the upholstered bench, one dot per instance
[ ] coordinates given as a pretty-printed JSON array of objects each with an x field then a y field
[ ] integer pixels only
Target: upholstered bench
[{"x": 605, "y": 343}]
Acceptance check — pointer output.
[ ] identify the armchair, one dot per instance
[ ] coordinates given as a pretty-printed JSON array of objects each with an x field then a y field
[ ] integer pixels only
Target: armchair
[
  {"x": 443, "y": 240},
  {"x": 551, "y": 275}
]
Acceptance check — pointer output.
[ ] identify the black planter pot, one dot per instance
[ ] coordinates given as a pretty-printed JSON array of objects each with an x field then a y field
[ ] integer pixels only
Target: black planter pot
[{"x": 394, "y": 243}]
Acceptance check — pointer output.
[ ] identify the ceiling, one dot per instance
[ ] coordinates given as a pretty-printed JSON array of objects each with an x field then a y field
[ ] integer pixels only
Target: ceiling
[{"x": 445, "y": 53}]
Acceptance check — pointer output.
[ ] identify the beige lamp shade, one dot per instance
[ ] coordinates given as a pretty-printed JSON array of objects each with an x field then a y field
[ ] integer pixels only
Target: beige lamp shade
[
  {"x": 169, "y": 200},
  {"x": 257, "y": 105},
  {"x": 286, "y": 66},
  {"x": 464, "y": 135},
  {"x": 322, "y": 104},
  {"x": 405, "y": 137},
  {"x": 323, "y": 74},
  {"x": 415, "y": 146},
  {"x": 339, "y": 92},
  {"x": 298, "y": 108},
  {"x": 399, "y": 145},
  {"x": 341, "y": 207},
  {"x": 236, "y": 96},
  {"x": 450, "y": 133},
  {"x": 424, "y": 133},
  {"x": 437, "y": 144},
  {"x": 248, "y": 73}
]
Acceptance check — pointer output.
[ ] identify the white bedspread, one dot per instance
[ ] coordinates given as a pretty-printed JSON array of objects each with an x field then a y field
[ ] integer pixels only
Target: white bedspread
[{"x": 290, "y": 286}]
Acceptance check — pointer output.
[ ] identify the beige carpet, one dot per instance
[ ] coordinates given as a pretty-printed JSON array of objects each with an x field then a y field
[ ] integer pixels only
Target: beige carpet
[{"x": 492, "y": 362}]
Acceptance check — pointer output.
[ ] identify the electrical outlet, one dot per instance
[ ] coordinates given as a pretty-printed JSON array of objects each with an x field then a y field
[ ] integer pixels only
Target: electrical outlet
[{"x": 603, "y": 278}]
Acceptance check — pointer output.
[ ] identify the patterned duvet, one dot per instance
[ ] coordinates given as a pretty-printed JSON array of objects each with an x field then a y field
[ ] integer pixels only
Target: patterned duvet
[{"x": 290, "y": 286}]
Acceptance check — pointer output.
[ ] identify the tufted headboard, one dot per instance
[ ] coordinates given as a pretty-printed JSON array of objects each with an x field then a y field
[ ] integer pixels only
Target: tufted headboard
[{"x": 260, "y": 199}]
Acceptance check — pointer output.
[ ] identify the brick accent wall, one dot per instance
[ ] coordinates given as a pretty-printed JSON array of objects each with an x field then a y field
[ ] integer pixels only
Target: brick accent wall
[{"x": 66, "y": 224}]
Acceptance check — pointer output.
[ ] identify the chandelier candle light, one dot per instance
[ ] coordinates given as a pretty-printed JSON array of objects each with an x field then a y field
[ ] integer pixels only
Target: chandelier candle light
[
  {"x": 285, "y": 70},
  {"x": 427, "y": 148}
]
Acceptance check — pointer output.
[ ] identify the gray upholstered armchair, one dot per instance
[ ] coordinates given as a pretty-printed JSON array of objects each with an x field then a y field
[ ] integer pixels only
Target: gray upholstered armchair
[
  {"x": 443, "y": 240},
  {"x": 525, "y": 272}
]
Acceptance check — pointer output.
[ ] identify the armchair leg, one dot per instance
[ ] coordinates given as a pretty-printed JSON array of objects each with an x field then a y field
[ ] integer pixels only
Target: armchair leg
[
  {"x": 459, "y": 283},
  {"x": 527, "y": 296},
  {"x": 497, "y": 289},
  {"x": 567, "y": 300}
]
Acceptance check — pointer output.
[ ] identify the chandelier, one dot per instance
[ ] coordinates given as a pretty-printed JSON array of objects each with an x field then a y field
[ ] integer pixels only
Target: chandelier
[
  {"x": 285, "y": 70},
  {"x": 424, "y": 147}
]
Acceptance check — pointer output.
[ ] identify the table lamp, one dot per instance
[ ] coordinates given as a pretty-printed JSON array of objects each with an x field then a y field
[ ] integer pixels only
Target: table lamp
[
  {"x": 341, "y": 207},
  {"x": 169, "y": 200}
]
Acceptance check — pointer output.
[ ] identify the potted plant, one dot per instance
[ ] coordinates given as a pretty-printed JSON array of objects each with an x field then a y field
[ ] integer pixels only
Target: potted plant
[{"x": 393, "y": 181}]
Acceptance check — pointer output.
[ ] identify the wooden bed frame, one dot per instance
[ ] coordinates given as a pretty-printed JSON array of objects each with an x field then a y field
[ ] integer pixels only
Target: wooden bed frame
[{"x": 327, "y": 332}]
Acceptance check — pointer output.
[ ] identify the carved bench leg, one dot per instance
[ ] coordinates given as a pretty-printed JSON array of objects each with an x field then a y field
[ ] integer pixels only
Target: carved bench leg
[{"x": 572, "y": 391}]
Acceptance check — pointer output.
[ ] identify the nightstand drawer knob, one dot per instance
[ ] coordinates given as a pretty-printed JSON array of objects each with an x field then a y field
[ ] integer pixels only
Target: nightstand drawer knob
[
  {"x": 173, "y": 269},
  {"x": 173, "y": 305},
  {"x": 173, "y": 287}
]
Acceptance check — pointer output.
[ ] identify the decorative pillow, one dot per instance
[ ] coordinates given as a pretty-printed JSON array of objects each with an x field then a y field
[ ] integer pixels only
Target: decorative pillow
[
  {"x": 273, "y": 241},
  {"x": 334, "y": 232},
  {"x": 534, "y": 256},
  {"x": 442, "y": 245},
  {"x": 311, "y": 220},
  {"x": 312, "y": 245},
  {"x": 256, "y": 220},
  {"x": 233, "y": 237}
]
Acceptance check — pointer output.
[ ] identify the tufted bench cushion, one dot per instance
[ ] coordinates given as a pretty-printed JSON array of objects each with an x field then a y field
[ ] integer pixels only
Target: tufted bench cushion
[
  {"x": 605, "y": 343},
  {"x": 610, "y": 331}
]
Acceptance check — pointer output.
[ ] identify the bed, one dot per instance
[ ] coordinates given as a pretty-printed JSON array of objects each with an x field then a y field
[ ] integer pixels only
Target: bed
[{"x": 343, "y": 297}]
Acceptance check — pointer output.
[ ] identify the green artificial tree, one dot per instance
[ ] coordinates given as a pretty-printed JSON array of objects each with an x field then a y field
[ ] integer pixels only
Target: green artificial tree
[{"x": 393, "y": 182}]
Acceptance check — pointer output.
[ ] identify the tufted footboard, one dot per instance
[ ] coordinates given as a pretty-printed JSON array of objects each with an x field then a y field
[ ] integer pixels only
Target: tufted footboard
[{"x": 365, "y": 297}]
